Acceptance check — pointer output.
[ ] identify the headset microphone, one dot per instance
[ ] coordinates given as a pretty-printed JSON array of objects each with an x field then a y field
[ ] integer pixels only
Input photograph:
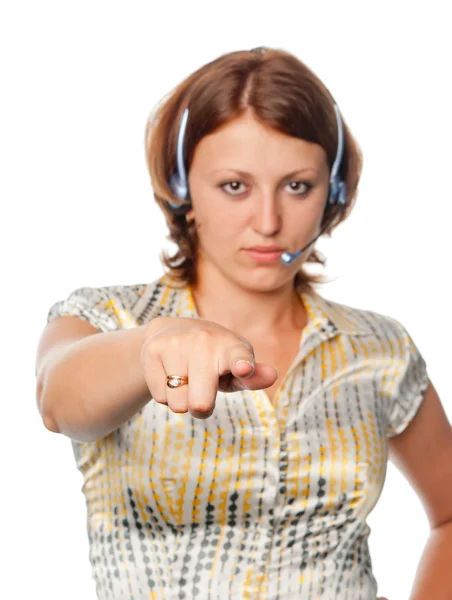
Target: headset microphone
[{"x": 337, "y": 194}]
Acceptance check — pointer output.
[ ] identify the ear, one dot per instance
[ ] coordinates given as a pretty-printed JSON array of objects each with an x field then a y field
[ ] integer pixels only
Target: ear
[{"x": 190, "y": 215}]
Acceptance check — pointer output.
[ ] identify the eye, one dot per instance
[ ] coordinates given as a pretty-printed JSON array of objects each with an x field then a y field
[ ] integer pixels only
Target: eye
[
  {"x": 223, "y": 186},
  {"x": 307, "y": 187}
]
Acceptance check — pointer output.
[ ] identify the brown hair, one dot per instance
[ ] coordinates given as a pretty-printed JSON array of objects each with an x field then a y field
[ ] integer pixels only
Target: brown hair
[{"x": 284, "y": 93}]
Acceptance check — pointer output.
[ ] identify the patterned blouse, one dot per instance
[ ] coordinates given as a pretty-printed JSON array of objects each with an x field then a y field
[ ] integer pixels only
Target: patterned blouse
[{"x": 261, "y": 500}]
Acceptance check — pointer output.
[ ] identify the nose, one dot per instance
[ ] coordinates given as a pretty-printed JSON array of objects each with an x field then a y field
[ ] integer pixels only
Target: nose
[{"x": 267, "y": 216}]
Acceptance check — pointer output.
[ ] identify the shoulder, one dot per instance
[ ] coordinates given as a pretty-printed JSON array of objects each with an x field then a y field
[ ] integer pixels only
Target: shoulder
[
  {"x": 361, "y": 321},
  {"x": 387, "y": 350},
  {"x": 110, "y": 307}
]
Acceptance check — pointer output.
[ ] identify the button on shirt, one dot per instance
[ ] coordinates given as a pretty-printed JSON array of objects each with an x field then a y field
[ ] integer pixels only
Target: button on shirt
[{"x": 260, "y": 500}]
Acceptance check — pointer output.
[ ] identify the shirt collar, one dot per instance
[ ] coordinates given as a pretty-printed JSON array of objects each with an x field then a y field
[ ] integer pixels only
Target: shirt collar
[
  {"x": 325, "y": 316},
  {"x": 332, "y": 317}
]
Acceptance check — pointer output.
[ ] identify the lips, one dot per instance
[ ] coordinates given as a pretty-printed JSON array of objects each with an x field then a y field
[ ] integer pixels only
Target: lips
[
  {"x": 264, "y": 256},
  {"x": 266, "y": 249}
]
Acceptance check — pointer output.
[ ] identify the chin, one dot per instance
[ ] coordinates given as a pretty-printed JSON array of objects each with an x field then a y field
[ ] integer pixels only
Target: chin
[{"x": 261, "y": 279}]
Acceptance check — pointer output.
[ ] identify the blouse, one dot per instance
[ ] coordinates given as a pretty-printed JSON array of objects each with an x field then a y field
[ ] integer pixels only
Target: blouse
[{"x": 262, "y": 500}]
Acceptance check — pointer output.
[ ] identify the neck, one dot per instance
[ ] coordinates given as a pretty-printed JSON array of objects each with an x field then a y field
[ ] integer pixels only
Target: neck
[{"x": 244, "y": 310}]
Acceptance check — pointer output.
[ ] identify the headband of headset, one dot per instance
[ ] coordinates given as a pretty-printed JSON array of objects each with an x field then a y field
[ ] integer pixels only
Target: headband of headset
[{"x": 179, "y": 184}]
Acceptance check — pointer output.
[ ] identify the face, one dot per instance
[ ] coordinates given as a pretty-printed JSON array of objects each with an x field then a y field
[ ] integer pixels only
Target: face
[{"x": 253, "y": 186}]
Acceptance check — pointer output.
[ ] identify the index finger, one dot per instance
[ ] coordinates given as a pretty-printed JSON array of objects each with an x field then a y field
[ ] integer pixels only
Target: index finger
[
  {"x": 202, "y": 384},
  {"x": 242, "y": 359}
]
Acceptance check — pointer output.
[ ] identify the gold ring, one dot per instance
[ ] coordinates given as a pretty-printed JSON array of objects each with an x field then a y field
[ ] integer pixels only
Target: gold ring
[{"x": 174, "y": 381}]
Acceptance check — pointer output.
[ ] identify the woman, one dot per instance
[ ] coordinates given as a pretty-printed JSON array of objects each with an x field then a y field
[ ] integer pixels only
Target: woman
[{"x": 232, "y": 425}]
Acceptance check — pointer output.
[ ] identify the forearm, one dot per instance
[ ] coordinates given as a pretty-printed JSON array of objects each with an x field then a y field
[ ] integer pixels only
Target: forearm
[
  {"x": 96, "y": 385},
  {"x": 433, "y": 579}
]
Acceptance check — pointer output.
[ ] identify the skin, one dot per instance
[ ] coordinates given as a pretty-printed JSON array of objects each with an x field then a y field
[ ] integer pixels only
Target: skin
[{"x": 261, "y": 208}]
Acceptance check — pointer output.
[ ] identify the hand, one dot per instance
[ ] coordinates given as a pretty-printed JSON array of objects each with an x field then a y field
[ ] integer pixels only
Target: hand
[{"x": 208, "y": 354}]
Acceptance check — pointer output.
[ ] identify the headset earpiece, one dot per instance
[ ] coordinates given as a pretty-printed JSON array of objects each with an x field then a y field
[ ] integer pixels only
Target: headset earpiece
[
  {"x": 178, "y": 180},
  {"x": 338, "y": 191}
]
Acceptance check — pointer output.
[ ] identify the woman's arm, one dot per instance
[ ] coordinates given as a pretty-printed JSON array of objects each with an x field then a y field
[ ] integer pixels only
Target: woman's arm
[
  {"x": 423, "y": 453},
  {"x": 89, "y": 386},
  {"x": 434, "y": 574}
]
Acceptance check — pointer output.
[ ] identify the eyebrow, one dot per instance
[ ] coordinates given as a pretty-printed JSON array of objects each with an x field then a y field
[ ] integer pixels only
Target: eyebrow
[{"x": 245, "y": 173}]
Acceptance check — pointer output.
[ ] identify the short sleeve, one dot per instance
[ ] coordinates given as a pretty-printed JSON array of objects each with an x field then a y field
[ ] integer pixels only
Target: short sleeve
[
  {"x": 95, "y": 305},
  {"x": 410, "y": 382}
]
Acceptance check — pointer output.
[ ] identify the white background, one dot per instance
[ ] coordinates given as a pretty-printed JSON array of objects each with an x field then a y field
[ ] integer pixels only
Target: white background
[{"x": 79, "y": 80}]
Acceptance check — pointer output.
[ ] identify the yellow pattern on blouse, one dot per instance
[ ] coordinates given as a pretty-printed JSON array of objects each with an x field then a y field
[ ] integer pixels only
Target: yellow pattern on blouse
[{"x": 260, "y": 500}]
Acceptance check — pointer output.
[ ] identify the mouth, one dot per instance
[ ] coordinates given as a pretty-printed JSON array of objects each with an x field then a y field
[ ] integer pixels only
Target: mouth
[{"x": 264, "y": 256}]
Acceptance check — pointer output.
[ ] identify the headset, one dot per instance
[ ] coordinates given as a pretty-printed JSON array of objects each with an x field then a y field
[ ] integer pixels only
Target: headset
[{"x": 337, "y": 194}]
